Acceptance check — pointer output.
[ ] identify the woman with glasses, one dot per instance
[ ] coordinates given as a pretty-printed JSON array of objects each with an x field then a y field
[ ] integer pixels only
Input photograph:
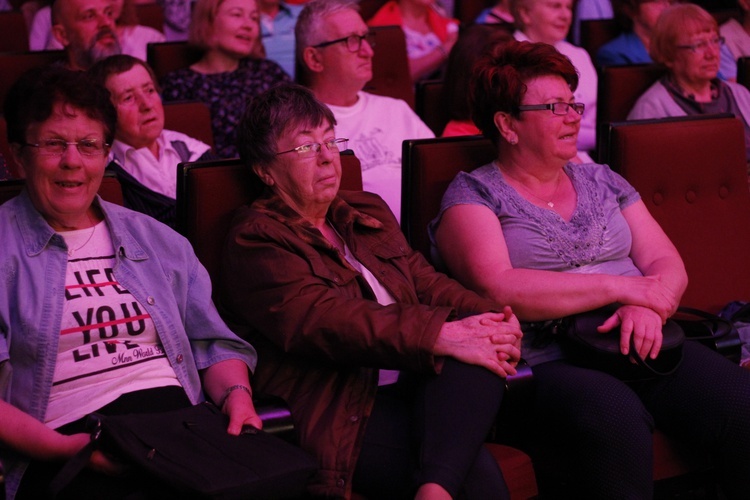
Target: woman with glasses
[
  {"x": 233, "y": 66},
  {"x": 393, "y": 372},
  {"x": 686, "y": 40},
  {"x": 102, "y": 309},
  {"x": 553, "y": 238}
]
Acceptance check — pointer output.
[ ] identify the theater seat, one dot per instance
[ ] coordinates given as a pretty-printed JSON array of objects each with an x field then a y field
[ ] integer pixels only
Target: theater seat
[
  {"x": 597, "y": 32},
  {"x": 430, "y": 106},
  {"x": 169, "y": 56},
  {"x": 390, "y": 65},
  {"x": 692, "y": 176},
  {"x": 189, "y": 117},
  {"x": 14, "y": 64},
  {"x": 619, "y": 89},
  {"x": 15, "y": 36},
  {"x": 209, "y": 192}
]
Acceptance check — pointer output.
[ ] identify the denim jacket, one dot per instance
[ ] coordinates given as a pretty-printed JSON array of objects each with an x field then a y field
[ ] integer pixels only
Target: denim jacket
[{"x": 154, "y": 263}]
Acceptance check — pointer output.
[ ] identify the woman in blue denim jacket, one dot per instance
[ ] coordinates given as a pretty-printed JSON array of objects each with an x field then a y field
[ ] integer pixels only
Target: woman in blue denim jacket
[{"x": 101, "y": 308}]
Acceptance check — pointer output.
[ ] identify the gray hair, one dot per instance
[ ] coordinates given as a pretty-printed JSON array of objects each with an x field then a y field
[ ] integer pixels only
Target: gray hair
[{"x": 309, "y": 27}]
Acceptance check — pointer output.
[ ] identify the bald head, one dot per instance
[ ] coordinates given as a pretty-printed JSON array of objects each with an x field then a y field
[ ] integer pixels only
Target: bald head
[{"x": 86, "y": 28}]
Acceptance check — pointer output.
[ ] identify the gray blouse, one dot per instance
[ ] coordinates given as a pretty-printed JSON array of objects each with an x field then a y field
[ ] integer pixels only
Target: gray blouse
[{"x": 596, "y": 239}]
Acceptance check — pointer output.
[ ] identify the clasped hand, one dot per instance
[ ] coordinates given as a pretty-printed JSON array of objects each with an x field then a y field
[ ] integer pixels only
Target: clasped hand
[{"x": 491, "y": 340}]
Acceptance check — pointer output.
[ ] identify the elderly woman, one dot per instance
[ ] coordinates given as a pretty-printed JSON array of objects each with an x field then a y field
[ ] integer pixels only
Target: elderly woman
[
  {"x": 144, "y": 156},
  {"x": 552, "y": 239},
  {"x": 390, "y": 389},
  {"x": 430, "y": 34},
  {"x": 548, "y": 22},
  {"x": 102, "y": 309},
  {"x": 230, "y": 71},
  {"x": 686, "y": 40}
]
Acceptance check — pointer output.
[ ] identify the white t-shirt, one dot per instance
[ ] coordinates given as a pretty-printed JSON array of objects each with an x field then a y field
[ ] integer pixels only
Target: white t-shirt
[
  {"x": 159, "y": 175},
  {"x": 108, "y": 343},
  {"x": 376, "y": 127}
]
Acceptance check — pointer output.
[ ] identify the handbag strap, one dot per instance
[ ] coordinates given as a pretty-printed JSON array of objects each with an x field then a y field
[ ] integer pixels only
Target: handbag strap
[
  {"x": 720, "y": 327},
  {"x": 643, "y": 363}
]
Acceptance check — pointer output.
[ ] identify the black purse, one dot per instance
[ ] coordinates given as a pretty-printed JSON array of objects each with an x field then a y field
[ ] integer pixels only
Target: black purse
[
  {"x": 190, "y": 451},
  {"x": 587, "y": 347}
]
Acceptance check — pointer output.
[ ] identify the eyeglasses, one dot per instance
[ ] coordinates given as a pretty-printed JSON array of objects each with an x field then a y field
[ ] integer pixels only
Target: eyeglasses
[
  {"x": 353, "y": 42},
  {"x": 558, "y": 108},
  {"x": 57, "y": 147},
  {"x": 313, "y": 148},
  {"x": 703, "y": 45}
]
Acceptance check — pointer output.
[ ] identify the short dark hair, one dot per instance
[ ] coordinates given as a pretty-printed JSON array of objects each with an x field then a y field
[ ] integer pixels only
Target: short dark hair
[
  {"x": 33, "y": 97},
  {"x": 272, "y": 113},
  {"x": 117, "y": 64},
  {"x": 499, "y": 80}
]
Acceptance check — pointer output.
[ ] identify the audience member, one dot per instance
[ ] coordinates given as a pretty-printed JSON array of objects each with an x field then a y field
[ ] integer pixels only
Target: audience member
[
  {"x": 686, "y": 40},
  {"x": 737, "y": 33},
  {"x": 326, "y": 282},
  {"x": 548, "y": 22},
  {"x": 637, "y": 18},
  {"x": 277, "y": 21},
  {"x": 133, "y": 37},
  {"x": 335, "y": 52},
  {"x": 228, "y": 31},
  {"x": 430, "y": 34},
  {"x": 144, "y": 156},
  {"x": 472, "y": 44},
  {"x": 176, "y": 19},
  {"x": 497, "y": 14},
  {"x": 86, "y": 29},
  {"x": 553, "y": 239},
  {"x": 102, "y": 309}
]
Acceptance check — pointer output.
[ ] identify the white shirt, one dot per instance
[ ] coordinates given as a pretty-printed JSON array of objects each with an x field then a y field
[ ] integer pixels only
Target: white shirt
[
  {"x": 376, "y": 127},
  {"x": 157, "y": 174}
]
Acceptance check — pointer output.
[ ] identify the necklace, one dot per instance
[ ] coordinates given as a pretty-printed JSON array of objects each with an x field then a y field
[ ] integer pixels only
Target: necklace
[
  {"x": 549, "y": 202},
  {"x": 71, "y": 251}
]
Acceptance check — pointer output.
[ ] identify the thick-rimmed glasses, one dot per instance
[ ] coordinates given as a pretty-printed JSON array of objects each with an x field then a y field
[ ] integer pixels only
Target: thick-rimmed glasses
[
  {"x": 557, "y": 108},
  {"x": 353, "y": 42},
  {"x": 313, "y": 148},
  {"x": 703, "y": 45},
  {"x": 57, "y": 147}
]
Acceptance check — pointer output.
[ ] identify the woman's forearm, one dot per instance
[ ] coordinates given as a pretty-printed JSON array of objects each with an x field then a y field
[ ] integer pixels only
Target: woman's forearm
[{"x": 21, "y": 432}]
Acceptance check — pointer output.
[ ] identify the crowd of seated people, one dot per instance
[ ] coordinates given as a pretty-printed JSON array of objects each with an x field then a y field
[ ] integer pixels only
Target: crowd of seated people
[{"x": 401, "y": 353}]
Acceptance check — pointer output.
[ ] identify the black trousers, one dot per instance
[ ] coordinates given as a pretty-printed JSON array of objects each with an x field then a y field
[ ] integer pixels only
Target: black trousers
[
  {"x": 597, "y": 431},
  {"x": 432, "y": 430}
]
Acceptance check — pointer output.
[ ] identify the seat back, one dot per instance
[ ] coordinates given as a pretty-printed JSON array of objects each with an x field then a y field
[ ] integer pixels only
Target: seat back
[
  {"x": 691, "y": 174},
  {"x": 165, "y": 57},
  {"x": 428, "y": 167},
  {"x": 151, "y": 15},
  {"x": 619, "y": 89},
  {"x": 110, "y": 189},
  {"x": 597, "y": 32},
  {"x": 189, "y": 117},
  {"x": 390, "y": 65},
  {"x": 15, "y": 36},
  {"x": 209, "y": 193},
  {"x": 14, "y": 64},
  {"x": 430, "y": 106}
]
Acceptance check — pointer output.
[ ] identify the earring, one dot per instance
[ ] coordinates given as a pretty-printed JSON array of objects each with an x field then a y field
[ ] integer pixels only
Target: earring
[{"x": 513, "y": 140}]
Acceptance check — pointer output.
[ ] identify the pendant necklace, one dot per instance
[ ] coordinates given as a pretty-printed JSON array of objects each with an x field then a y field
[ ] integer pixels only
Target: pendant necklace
[
  {"x": 549, "y": 202},
  {"x": 71, "y": 251}
]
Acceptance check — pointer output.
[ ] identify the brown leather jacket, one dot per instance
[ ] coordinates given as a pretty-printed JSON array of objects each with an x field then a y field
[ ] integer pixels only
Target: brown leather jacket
[{"x": 319, "y": 333}]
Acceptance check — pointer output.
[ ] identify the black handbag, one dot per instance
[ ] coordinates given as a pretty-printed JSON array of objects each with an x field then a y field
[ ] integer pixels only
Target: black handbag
[
  {"x": 189, "y": 450},
  {"x": 587, "y": 347}
]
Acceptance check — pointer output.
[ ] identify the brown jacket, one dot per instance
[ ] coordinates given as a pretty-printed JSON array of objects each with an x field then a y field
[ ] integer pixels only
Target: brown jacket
[{"x": 319, "y": 333}]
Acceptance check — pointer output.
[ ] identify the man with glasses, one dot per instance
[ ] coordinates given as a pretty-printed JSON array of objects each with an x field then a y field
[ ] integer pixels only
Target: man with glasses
[{"x": 334, "y": 57}]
